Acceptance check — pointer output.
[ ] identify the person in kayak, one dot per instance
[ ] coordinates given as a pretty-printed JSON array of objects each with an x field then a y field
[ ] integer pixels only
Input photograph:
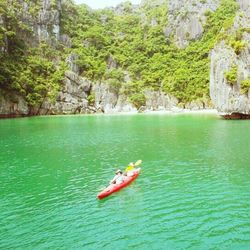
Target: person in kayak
[
  {"x": 130, "y": 167},
  {"x": 118, "y": 179},
  {"x": 129, "y": 171}
]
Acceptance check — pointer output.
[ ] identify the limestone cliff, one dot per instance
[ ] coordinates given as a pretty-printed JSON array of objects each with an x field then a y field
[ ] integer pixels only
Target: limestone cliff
[
  {"x": 181, "y": 23},
  {"x": 36, "y": 21},
  {"x": 232, "y": 98},
  {"x": 43, "y": 19},
  {"x": 12, "y": 105},
  {"x": 186, "y": 19}
]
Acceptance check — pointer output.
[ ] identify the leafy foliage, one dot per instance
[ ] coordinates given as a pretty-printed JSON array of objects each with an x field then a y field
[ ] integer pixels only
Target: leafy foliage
[
  {"x": 236, "y": 41},
  {"x": 245, "y": 85},
  {"x": 231, "y": 75},
  {"x": 133, "y": 39},
  {"x": 139, "y": 46},
  {"x": 36, "y": 73},
  {"x": 39, "y": 78}
]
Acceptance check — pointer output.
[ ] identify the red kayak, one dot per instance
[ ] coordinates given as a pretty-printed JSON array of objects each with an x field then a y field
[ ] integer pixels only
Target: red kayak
[{"x": 112, "y": 188}]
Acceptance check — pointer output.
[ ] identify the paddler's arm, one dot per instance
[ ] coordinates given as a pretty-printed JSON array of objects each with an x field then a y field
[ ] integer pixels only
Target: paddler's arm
[{"x": 113, "y": 180}]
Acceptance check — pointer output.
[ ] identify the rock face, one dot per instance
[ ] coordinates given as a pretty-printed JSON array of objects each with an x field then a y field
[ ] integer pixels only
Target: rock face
[
  {"x": 159, "y": 101},
  {"x": 72, "y": 98},
  {"x": 229, "y": 99},
  {"x": 48, "y": 23},
  {"x": 185, "y": 23},
  {"x": 44, "y": 23},
  {"x": 186, "y": 19},
  {"x": 108, "y": 100},
  {"x": 12, "y": 105}
]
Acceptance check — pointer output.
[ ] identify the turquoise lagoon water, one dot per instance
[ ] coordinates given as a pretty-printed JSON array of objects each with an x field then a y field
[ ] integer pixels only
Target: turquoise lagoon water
[{"x": 193, "y": 192}]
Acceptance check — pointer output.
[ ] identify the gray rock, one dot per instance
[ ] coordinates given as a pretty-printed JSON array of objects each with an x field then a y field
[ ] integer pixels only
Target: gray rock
[
  {"x": 112, "y": 63},
  {"x": 157, "y": 100},
  {"x": 71, "y": 61},
  {"x": 195, "y": 105},
  {"x": 71, "y": 99},
  {"x": 152, "y": 3},
  {"x": 65, "y": 39},
  {"x": 48, "y": 22},
  {"x": 12, "y": 105},
  {"x": 127, "y": 77},
  {"x": 103, "y": 18},
  {"x": 123, "y": 105},
  {"x": 76, "y": 83},
  {"x": 244, "y": 5},
  {"x": 142, "y": 109},
  {"x": 45, "y": 26},
  {"x": 186, "y": 19},
  {"x": 105, "y": 97},
  {"x": 228, "y": 99},
  {"x": 122, "y": 8},
  {"x": 153, "y": 22},
  {"x": 108, "y": 99}
]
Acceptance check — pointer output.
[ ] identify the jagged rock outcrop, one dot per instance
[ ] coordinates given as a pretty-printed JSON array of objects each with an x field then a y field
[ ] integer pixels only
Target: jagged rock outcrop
[
  {"x": 71, "y": 62},
  {"x": 48, "y": 23},
  {"x": 199, "y": 104},
  {"x": 186, "y": 19},
  {"x": 159, "y": 101},
  {"x": 71, "y": 99},
  {"x": 109, "y": 100},
  {"x": 12, "y": 105},
  {"x": 229, "y": 99},
  {"x": 44, "y": 23},
  {"x": 185, "y": 23}
]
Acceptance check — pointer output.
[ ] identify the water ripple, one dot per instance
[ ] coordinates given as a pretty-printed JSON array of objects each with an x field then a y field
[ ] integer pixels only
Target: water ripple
[{"x": 193, "y": 192}]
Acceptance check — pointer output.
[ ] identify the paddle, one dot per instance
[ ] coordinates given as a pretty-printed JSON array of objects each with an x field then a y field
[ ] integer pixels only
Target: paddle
[{"x": 137, "y": 163}]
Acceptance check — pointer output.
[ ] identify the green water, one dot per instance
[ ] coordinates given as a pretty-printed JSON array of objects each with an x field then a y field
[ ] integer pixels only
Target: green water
[{"x": 193, "y": 192}]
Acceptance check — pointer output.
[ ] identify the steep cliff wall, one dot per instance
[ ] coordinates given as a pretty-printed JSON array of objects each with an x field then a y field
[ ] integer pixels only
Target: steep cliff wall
[
  {"x": 24, "y": 26},
  {"x": 187, "y": 18},
  {"x": 12, "y": 105},
  {"x": 230, "y": 68},
  {"x": 43, "y": 20},
  {"x": 152, "y": 56}
]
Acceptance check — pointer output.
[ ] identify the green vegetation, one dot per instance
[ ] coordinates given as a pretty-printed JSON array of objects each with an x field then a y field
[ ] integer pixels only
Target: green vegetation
[
  {"x": 109, "y": 44},
  {"x": 138, "y": 100},
  {"x": 36, "y": 73},
  {"x": 236, "y": 42},
  {"x": 152, "y": 60},
  {"x": 238, "y": 46},
  {"x": 91, "y": 99},
  {"x": 39, "y": 78},
  {"x": 231, "y": 75},
  {"x": 245, "y": 85}
]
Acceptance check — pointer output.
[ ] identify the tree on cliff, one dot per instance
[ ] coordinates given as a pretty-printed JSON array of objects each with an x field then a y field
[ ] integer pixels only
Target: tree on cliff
[{"x": 132, "y": 38}]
